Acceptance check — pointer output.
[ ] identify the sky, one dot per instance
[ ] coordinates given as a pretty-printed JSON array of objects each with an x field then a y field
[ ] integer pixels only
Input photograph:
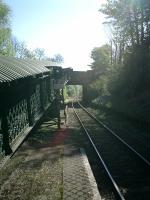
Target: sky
[{"x": 71, "y": 28}]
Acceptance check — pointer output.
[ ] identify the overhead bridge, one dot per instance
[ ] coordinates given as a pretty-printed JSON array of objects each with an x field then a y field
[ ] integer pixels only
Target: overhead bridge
[{"x": 83, "y": 78}]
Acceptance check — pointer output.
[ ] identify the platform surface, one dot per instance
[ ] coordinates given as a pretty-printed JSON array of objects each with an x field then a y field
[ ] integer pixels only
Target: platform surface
[
  {"x": 78, "y": 180},
  {"x": 51, "y": 164}
]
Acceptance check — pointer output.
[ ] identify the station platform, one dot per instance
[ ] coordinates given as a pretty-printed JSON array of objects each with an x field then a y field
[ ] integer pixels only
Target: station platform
[
  {"x": 49, "y": 166},
  {"x": 79, "y": 182}
]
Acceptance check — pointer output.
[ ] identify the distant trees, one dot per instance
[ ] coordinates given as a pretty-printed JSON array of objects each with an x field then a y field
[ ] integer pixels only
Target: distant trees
[
  {"x": 39, "y": 53},
  {"x": 57, "y": 58},
  {"x": 20, "y": 50},
  {"x": 74, "y": 91}
]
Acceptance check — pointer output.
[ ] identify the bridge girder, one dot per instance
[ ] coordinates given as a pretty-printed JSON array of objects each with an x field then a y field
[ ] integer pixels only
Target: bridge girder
[{"x": 83, "y": 77}]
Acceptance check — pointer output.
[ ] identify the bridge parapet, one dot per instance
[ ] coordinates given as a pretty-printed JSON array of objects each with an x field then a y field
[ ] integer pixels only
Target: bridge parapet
[{"x": 83, "y": 77}]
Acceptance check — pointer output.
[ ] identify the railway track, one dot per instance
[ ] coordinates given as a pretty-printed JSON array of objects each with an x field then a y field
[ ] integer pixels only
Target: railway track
[{"x": 127, "y": 169}]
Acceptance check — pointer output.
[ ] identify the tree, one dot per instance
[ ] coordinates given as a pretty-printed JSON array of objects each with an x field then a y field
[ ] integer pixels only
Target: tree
[
  {"x": 39, "y": 53},
  {"x": 129, "y": 21},
  {"x": 6, "y": 47},
  {"x": 129, "y": 24},
  {"x": 57, "y": 58},
  {"x": 21, "y": 50},
  {"x": 102, "y": 64},
  {"x": 101, "y": 58}
]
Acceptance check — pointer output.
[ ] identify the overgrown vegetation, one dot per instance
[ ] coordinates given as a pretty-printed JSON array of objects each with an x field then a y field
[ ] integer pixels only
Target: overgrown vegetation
[
  {"x": 124, "y": 64},
  {"x": 73, "y": 91}
]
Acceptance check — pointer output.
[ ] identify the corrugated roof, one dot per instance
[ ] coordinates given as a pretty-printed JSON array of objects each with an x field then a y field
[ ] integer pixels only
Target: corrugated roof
[{"x": 13, "y": 68}]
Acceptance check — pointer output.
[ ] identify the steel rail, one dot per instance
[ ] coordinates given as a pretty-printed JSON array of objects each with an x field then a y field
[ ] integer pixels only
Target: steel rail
[
  {"x": 101, "y": 159},
  {"x": 113, "y": 133}
]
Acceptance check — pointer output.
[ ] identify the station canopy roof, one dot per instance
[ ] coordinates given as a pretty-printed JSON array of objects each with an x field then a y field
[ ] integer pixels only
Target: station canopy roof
[{"x": 14, "y": 68}]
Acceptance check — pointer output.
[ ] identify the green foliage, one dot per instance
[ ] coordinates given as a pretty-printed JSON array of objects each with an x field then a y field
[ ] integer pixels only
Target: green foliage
[
  {"x": 74, "y": 91},
  {"x": 6, "y": 47},
  {"x": 100, "y": 85},
  {"x": 126, "y": 81},
  {"x": 101, "y": 58},
  {"x": 4, "y": 14},
  {"x": 101, "y": 64},
  {"x": 65, "y": 93}
]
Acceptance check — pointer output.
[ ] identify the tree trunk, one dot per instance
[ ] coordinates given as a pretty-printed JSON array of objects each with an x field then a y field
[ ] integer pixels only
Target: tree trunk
[
  {"x": 142, "y": 24},
  {"x": 131, "y": 29},
  {"x": 136, "y": 25}
]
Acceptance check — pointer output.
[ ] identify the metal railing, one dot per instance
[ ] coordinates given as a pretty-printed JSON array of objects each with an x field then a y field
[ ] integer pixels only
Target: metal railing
[{"x": 21, "y": 107}]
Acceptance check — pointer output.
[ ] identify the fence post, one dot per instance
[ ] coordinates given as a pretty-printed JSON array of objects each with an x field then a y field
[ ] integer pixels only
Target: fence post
[
  {"x": 41, "y": 94},
  {"x": 48, "y": 88},
  {"x": 4, "y": 125},
  {"x": 30, "y": 117}
]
